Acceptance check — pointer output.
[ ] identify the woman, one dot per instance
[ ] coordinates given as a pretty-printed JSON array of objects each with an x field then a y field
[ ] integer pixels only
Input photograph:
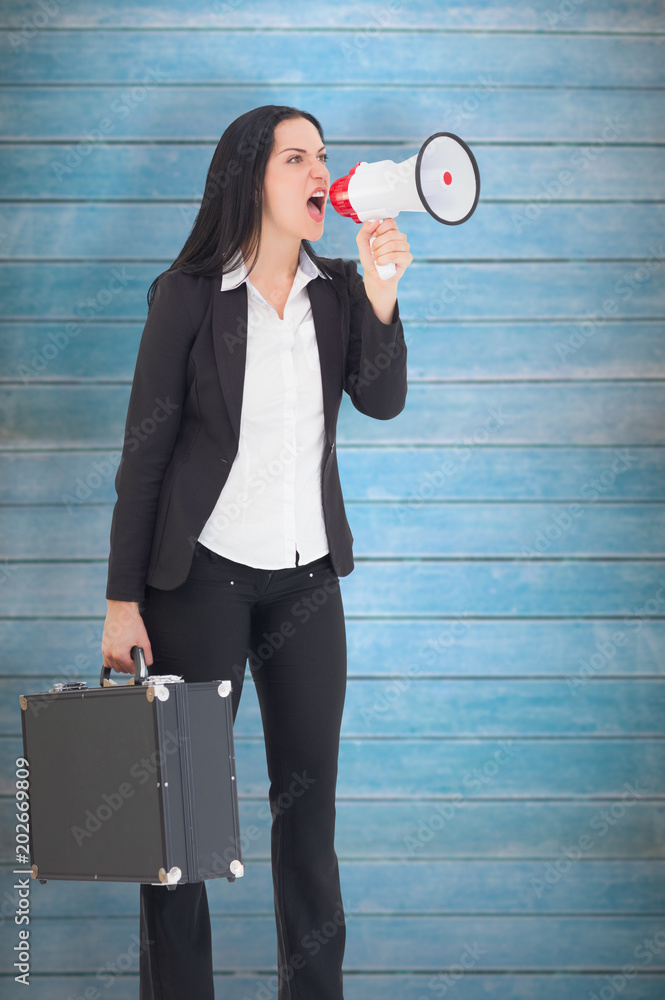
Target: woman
[{"x": 229, "y": 533}]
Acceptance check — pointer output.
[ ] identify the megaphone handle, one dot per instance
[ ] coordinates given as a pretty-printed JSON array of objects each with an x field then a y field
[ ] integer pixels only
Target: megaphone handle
[{"x": 384, "y": 271}]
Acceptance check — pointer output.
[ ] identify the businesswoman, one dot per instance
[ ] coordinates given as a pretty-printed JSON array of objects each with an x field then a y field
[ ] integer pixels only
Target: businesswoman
[{"x": 229, "y": 533}]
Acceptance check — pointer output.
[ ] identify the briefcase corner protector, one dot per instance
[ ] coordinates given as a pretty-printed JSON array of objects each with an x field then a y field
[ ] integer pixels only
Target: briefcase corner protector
[{"x": 170, "y": 877}]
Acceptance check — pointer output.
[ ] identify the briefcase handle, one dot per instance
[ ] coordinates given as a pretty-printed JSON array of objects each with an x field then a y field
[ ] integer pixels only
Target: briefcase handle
[{"x": 140, "y": 671}]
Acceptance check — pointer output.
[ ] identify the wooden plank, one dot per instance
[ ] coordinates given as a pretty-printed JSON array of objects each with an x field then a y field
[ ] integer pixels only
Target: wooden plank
[
  {"x": 484, "y": 15},
  {"x": 170, "y": 170},
  {"x": 475, "y": 472},
  {"x": 220, "y": 56},
  {"x": 544, "y": 230},
  {"x": 478, "y": 472},
  {"x": 79, "y": 526},
  {"x": 416, "y": 706},
  {"x": 495, "y": 830},
  {"x": 371, "y": 986},
  {"x": 533, "y": 350},
  {"x": 44, "y": 416},
  {"x": 70, "y": 649},
  {"x": 594, "y": 291},
  {"x": 429, "y": 588},
  {"x": 547, "y": 350},
  {"x": 462, "y": 769},
  {"x": 563, "y": 413},
  {"x": 462, "y": 530},
  {"x": 94, "y": 114},
  {"x": 424, "y": 943},
  {"x": 383, "y": 887}
]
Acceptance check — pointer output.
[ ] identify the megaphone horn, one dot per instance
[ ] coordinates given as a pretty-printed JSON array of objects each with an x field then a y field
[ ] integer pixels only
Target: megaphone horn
[{"x": 442, "y": 178}]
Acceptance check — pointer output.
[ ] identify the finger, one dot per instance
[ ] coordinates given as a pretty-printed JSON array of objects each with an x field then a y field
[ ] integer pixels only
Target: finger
[
  {"x": 368, "y": 228},
  {"x": 124, "y": 665},
  {"x": 386, "y": 229},
  {"x": 390, "y": 246},
  {"x": 372, "y": 227},
  {"x": 394, "y": 238},
  {"x": 400, "y": 260}
]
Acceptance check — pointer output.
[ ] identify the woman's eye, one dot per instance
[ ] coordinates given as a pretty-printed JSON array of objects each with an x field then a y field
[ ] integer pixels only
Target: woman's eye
[{"x": 297, "y": 156}]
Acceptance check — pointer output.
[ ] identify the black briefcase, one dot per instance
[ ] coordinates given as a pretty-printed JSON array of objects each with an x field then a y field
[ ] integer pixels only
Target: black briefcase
[{"x": 132, "y": 782}]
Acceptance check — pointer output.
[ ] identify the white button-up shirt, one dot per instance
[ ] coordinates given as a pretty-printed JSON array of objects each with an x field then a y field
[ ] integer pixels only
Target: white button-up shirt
[{"x": 269, "y": 513}]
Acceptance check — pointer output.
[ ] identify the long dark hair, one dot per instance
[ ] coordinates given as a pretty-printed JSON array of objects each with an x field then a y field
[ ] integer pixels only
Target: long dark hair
[{"x": 230, "y": 214}]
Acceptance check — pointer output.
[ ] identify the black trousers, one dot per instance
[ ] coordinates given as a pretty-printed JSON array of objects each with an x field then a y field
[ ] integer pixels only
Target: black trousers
[{"x": 289, "y": 623}]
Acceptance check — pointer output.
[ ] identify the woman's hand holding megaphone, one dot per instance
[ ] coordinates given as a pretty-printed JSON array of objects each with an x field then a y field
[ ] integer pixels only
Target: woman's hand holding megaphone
[{"x": 390, "y": 245}]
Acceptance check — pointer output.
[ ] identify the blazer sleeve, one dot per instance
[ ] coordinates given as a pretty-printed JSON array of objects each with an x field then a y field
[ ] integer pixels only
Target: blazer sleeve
[
  {"x": 375, "y": 374},
  {"x": 151, "y": 427}
]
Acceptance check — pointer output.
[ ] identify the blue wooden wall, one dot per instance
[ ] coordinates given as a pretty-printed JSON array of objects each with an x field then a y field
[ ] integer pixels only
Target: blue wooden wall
[{"x": 501, "y": 811}]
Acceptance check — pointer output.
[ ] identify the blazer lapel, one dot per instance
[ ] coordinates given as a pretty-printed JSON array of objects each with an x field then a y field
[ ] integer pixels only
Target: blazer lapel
[
  {"x": 328, "y": 327},
  {"x": 229, "y": 335},
  {"x": 229, "y": 338}
]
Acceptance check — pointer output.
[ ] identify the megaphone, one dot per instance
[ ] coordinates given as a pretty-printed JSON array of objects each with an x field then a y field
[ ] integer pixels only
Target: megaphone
[{"x": 442, "y": 178}]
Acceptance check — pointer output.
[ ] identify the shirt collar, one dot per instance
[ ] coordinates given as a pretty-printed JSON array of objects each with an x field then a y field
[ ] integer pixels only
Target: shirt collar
[{"x": 231, "y": 279}]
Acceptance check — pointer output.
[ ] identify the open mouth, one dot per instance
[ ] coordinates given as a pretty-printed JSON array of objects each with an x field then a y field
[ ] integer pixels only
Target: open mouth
[{"x": 315, "y": 207}]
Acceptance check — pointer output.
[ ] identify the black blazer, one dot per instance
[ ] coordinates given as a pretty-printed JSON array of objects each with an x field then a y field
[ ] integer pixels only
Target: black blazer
[{"x": 183, "y": 419}]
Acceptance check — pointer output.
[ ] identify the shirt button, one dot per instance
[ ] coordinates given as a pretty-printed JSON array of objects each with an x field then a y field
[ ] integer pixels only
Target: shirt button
[{"x": 332, "y": 446}]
